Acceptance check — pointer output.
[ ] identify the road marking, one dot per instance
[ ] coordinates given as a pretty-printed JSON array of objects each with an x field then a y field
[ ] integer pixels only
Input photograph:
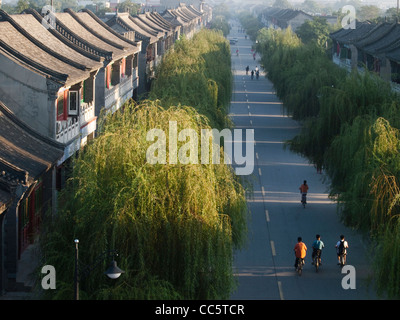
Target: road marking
[
  {"x": 273, "y": 248},
  {"x": 256, "y": 153},
  {"x": 267, "y": 215},
  {"x": 280, "y": 290},
  {"x": 259, "y": 169},
  {"x": 262, "y": 190},
  {"x": 251, "y": 122}
]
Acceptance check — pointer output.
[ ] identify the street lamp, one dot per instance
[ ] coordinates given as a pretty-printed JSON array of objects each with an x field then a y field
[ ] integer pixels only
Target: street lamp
[{"x": 113, "y": 272}]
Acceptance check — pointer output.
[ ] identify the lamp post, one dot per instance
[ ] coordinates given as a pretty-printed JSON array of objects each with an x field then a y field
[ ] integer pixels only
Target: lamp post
[{"x": 113, "y": 272}]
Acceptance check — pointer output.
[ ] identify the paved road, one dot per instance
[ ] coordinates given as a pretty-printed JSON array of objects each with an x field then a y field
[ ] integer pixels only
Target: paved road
[{"x": 265, "y": 267}]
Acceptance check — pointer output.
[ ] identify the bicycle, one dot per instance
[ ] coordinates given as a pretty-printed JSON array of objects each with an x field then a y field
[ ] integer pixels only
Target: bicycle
[
  {"x": 304, "y": 199},
  {"x": 316, "y": 260},
  {"x": 300, "y": 264},
  {"x": 342, "y": 260}
]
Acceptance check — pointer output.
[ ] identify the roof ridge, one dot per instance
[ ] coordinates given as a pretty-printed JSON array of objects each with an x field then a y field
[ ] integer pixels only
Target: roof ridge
[
  {"x": 60, "y": 37},
  {"x": 61, "y": 77},
  {"x": 27, "y": 35},
  {"x": 365, "y": 41},
  {"x": 98, "y": 20},
  {"x": 85, "y": 45},
  {"x": 79, "y": 20}
]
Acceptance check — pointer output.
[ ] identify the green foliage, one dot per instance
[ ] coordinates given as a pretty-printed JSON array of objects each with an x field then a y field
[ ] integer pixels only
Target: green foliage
[
  {"x": 174, "y": 226},
  {"x": 220, "y": 23},
  {"x": 314, "y": 31},
  {"x": 197, "y": 73},
  {"x": 250, "y": 23}
]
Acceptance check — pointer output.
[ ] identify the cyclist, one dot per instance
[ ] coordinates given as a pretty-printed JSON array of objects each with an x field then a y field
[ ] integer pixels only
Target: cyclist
[
  {"x": 300, "y": 251},
  {"x": 317, "y": 246},
  {"x": 252, "y": 74},
  {"x": 303, "y": 190},
  {"x": 341, "y": 248}
]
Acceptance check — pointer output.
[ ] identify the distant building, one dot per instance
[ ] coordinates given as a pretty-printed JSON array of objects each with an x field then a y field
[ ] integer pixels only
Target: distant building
[
  {"x": 278, "y": 18},
  {"x": 375, "y": 47}
]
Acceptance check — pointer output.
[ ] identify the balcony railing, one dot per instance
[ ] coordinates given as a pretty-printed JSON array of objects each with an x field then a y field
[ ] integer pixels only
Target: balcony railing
[
  {"x": 86, "y": 113},
  {"x": 114, "y": 94},
  {"x": 67, "y": 130}
]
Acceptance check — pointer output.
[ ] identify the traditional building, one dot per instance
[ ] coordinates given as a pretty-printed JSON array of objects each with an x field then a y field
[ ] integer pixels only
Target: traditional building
[
  {"x": 152, "y": 44},
  {"x": 188, "y": 18},
  {"x": 370, "y": 46},
  {"x": 118, "y": 79},
  {"x": 278, "y": 18},
  {"x": 28, "y": 162},
  {"x": 344, "y": 53},
  {"x": 45, "y": 83}
]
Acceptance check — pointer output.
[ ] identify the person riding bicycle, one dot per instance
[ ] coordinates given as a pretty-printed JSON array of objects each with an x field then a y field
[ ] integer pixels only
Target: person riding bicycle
[
  {"x": 300, "y": 251},
  {"x": 317, "y": 246},
  {"x": 341, "y": 248},
  {"x": 303, "y": 190}
]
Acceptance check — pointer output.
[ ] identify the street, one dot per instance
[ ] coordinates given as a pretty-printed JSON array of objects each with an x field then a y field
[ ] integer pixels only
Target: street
[{"x": 265, "y": 267}]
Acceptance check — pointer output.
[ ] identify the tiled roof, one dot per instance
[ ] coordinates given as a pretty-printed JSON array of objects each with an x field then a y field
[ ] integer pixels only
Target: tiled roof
[
  {"x": 156, "y": 17},
  {"x": 31, "y": 25},
  {"x": 125, "y": 21},
  {"x": 375, "y": 34},
  {"x": 390, "y": 38},
  {"x": 23, "y": 48},
  {"x": 24, "y": 149},
  {"x": 147, "y": 28},
  {"x": 394, "y": 55},
  {"x": 92, "y": 34},
  {"x": 349, "y": 36},
  {"x": 154, "y": 24},
  {"x": 99, "y": 28}
]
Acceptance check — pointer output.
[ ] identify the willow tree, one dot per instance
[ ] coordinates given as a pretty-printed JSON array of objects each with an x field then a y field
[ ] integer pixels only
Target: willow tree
[
  {"x": 174, "y": 225},
  {"x": 197, "y": 72}
]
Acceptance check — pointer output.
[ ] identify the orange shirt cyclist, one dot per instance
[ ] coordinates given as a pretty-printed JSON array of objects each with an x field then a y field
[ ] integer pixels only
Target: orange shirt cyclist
[
  {"x": 300, "y": 250},
  {"x": 304, "y": 187}
]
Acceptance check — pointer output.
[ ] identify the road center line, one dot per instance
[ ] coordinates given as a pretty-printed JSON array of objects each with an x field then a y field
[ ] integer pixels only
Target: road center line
[
  {"x": 273, "y": 248},
  {"x": 280, "y": 290}
]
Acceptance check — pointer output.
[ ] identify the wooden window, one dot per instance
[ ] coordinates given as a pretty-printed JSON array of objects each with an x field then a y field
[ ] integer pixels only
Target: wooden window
[{"x": 73, "y": 105}]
